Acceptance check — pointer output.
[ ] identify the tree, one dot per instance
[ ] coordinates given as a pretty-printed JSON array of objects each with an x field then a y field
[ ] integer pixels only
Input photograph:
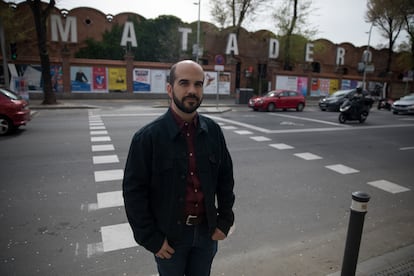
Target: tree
[
  {"x": 40, "y": 17},
  {"x": 291, "y": 21},
  {"x": 386, "y": 15},
  {"x": 407, "y": 9},
  {"x": 234, "y": 12}
]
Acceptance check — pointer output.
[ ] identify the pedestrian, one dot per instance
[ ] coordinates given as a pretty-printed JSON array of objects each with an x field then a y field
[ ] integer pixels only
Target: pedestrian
[{"x": 178, "y": 181}]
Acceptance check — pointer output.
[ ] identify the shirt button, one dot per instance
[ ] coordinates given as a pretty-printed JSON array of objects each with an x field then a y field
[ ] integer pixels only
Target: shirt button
[
  {"x": 196, "y": 205},
  {"x": 195, "y": 190},
  {"x": 191, "y": 173},
  {"x": 191, "y": 154},
  {"x": 188, "y": 134}
]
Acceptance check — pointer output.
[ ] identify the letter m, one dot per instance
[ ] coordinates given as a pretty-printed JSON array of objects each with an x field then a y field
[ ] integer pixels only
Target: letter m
[{"x": 57, "y": 28}]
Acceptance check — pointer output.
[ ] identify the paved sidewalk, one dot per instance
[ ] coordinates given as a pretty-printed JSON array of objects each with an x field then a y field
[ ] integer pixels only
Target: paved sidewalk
[{"x": 396, "y": 263}]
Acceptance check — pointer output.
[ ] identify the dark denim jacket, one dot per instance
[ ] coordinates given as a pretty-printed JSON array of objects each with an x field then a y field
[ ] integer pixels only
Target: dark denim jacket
[{"x": 155, "y": 180}]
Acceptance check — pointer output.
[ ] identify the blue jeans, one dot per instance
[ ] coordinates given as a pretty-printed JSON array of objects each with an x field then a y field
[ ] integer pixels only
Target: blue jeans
[{"x": 193, "y": 254}]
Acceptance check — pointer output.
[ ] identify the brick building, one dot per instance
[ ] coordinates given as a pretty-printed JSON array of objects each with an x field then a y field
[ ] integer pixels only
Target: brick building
[{"x": 248, "y": 60}]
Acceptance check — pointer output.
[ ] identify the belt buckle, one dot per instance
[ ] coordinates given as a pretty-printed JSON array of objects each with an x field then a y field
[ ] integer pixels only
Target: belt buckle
[{"x": 190, "y": 217}]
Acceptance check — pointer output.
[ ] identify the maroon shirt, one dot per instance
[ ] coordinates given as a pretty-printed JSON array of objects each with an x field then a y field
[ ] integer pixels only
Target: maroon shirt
[{"x": 194, "y": 197}]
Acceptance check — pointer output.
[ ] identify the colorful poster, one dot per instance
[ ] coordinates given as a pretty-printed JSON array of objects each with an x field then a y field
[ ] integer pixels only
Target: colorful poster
[
  {"x": 57, "y": 78},
  {"x": 99, "y": 79},
  {"x": 81, "y": 78},
  {"x": 349, "y": 84},
  {"x": 141, "y": 80},
  {"x": 303, "y": 85},
  {"x": 323, "y": 87},
  {"x": 158, "y": 81},
  {"x": 294, "y": 83},
  {"x": 117, "y": 79}
]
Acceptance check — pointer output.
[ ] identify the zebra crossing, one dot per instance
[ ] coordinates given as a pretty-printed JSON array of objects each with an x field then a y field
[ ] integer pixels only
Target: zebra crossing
[{"x": 119, "y": 236}]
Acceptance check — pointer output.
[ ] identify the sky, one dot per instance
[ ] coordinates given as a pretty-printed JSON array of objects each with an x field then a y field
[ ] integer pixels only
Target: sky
[{"x": 336, "y": 20}]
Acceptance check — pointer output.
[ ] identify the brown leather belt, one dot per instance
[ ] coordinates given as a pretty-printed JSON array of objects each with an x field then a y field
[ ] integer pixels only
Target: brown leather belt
[{"x": 191, "y": 220}]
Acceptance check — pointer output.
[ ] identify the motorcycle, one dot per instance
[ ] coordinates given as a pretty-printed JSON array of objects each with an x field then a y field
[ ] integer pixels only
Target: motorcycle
[
  {"x": 385, "y": 104},
  {"x": 354, "y": 110}
]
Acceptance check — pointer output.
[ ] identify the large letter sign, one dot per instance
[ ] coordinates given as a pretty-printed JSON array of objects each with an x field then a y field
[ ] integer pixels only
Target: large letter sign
[
  {"x": 232, "y": 45},
  {"x": 273, "y": 48},
  {"x": 340, "y": 56},
  {"x": 309, "y": 52},
  {"x": 184, "y": 37},
  {"x": 128, "y": 35},
  {"x": 57, "y": 29}
]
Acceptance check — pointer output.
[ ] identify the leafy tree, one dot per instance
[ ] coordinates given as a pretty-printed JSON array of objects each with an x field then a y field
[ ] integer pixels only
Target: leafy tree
[
  {"x": 407, "y": 9},
  {"x": 291, "y": 20},
  {"x": 386, "y": 15},
  {"x": 40, "y": 16},
  {"x": 162, "y": 47}
]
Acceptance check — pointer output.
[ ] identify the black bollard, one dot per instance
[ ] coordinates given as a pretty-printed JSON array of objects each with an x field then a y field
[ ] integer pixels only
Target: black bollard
[{"x": 353, "y": 240}]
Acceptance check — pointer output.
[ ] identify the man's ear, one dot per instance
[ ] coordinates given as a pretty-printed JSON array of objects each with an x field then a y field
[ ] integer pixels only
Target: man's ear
[{"x": 169, "y": 90}]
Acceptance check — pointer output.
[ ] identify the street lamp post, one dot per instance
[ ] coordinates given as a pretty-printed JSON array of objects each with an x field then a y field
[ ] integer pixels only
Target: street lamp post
[
  {"x": 198, "y": 31},
  {"x": 365, "y": 57}
]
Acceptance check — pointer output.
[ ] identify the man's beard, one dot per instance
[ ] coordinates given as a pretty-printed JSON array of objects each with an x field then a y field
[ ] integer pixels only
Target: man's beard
[{"x": 192, "y": 105}]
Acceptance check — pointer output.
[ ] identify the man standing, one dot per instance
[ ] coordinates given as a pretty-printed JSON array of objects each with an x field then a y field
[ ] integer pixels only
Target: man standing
[{"x": 178, "y": 181}]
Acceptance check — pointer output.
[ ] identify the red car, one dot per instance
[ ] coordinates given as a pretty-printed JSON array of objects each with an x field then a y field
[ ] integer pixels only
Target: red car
[
  {"x": 14, "y": 111},
  {"x": 278, "y": 99}
]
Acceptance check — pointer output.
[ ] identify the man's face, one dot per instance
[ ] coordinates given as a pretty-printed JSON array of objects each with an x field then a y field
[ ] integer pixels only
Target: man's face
[{"x": 187, "y": 91}]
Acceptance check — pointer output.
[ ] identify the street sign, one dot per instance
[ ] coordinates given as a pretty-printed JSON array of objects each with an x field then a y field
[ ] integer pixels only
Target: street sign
[
  {"x": 219, "y": 60},
  {"x": 218, "y": 68}
]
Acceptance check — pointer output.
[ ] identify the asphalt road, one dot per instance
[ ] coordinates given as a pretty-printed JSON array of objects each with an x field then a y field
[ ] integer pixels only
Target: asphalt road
[{"x": 62, "y": 213}]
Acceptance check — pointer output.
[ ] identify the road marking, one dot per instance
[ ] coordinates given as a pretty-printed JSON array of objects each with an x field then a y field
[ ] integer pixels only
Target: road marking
[
  {"x": 107, "y": 147},
  {"x": 308, "y": 156},
  {"x": 94, "y": 249},
  {"x": 305, "y": 119},
  {"x": 110, "y": 199},
  {"x": 109, "y": 175},
  {"x": 118, "y": 236},
  {"x": 342, "y": 169},
  {"x": 105, "y": 159},
  {"x": 229, "y": 127},
  {"x": 260, "y": 138},
  {"x": 97, "y": 127},
  {"x": 407, "y": 148},
  {"x": 388, "y": 186},
  {"x": 96, "y": 124},
  {"x": 100, "y": 139},
  {"x": 281, "y": 146},
  {"x": 243, "y": 132},
  {"x": 99, "y": 132}
]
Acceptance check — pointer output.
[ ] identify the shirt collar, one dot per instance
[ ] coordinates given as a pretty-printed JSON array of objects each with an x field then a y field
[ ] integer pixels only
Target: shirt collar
[{"x": 181, "y": 123}]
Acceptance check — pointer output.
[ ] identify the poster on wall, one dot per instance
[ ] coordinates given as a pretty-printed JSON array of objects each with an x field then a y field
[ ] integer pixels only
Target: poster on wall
[
  {"x": 141, "y": 80},
  {"x": 323, "y": 87},
  {"x": 117, "y": 79},
  {"x": 224, "y": 83},
  {"x": 99, "y": 79},
  {"x": 294, "y": 83},
  {"x": 210, "y": 82},
  {"x": 80, "y": 77},
  {"x": 159, "y": 81},
  {"x": 56, "y": 74},
  {"x": 349, "y": 84}
]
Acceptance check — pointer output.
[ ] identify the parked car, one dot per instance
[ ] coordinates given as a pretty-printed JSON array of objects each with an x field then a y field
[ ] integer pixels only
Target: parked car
[
  {"x": 335, "y": 100},
  {"x": 278, "y": 99},
  {"x": 404, "y": 105},
  {"x": 14, "y": 111}
]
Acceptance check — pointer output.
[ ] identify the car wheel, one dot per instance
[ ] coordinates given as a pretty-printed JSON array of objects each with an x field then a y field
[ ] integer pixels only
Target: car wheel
[
  {"x": 300, "y": 107},
  {"x": 271, "y": 107},
  {"x": 6, "y": 125},
  {"x": 342, "y": 118}
]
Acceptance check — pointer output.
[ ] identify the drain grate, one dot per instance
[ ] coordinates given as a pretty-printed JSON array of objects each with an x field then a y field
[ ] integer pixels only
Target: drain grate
[{"x": 405, "y": 268}]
